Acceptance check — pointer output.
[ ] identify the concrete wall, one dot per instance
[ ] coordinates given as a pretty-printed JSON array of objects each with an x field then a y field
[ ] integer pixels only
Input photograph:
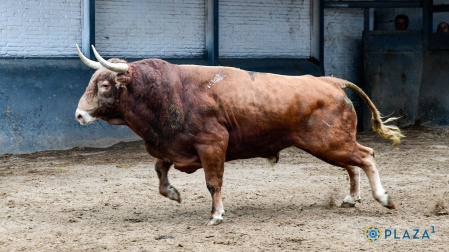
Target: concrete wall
[
  {"x": 343, "y": 30},
  {"x": 434, "y": 94},
  {"x": 434, "y": 91},
  {"x": 403, "y": 80},
  {"x": 39, "y": 28}
]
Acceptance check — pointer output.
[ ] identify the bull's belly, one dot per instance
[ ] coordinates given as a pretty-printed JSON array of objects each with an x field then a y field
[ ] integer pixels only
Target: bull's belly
[
  {"x": 263, "y": 146},
  {"x": 252, "y": 153}
]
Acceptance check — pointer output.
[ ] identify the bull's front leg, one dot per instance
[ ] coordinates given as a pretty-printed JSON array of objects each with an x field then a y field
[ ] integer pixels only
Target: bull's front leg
[
  {"x": 165, "y": 188},
  {"x": 212, "y": 159}
]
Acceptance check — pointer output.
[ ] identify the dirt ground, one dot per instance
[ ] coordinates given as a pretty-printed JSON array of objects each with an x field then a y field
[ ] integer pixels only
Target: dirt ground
[{"x": 88, "y": 199}]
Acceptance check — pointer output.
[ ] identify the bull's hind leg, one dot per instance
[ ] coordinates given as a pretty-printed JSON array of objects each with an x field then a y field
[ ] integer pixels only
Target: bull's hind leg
[
  {"x": 368, "y": 165},
  {"x": 351, "y": 154},
  {"x": 164, "y": 185},
  {"x": 354, "y": 191}
]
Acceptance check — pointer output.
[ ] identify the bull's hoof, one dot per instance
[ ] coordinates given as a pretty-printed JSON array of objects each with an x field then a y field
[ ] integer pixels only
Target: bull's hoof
[
  {"x": 347, "y": 205},
  {"x": 272, "y": 160},
  {"x": 214, "y": 221},
  {"x": 390, "y": 205},
  {"x": 174, "y": 194},
  {"x": 171, "y": 193},
  {"x": 350, "y": 201}
]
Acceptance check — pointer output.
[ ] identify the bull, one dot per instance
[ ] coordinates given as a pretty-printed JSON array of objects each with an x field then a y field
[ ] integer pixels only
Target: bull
[{"x": 196, "y": 117}]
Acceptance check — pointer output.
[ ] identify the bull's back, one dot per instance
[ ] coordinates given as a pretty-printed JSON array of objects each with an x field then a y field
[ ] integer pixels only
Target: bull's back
[{"x": 265, "y": 113}]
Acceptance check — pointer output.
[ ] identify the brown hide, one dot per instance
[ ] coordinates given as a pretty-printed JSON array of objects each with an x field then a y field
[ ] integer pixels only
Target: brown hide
[
  {"x": 178, "y": 109},
  {"x": 197, "y": 116}
]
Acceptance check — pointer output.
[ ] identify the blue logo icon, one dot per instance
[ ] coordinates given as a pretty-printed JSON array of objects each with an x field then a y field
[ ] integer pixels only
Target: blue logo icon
[{"x": 373, "y": 234}]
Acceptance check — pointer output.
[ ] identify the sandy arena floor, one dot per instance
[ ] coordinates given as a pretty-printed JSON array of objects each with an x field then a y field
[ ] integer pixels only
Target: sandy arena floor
[{"x": 88, "y": 199}]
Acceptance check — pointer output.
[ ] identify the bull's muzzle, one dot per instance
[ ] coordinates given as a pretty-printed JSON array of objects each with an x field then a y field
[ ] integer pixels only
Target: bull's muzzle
[{"x": 83, "y": 117}]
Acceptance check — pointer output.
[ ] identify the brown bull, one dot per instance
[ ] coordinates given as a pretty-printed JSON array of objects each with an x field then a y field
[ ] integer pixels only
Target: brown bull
[{"x": 199, "y": 117}]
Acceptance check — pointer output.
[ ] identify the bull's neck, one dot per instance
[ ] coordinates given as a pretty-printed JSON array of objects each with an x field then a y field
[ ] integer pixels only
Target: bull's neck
[{"x": 152, "y": 104}]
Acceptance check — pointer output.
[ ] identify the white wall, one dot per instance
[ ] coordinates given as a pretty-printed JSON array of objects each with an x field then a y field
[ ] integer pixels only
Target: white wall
[
  {"x": 130, "y": 28},
  {"x": 264, "y": 28},
  {"x": 36, "y": 28}
]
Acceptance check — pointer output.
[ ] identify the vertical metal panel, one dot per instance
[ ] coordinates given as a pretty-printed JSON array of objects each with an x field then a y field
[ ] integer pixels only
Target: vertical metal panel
[
  {"x": 315, "y": 47},
  {"x": 322, "y": 35},
  {"x": 366, "y": 21},
  {"x": 88, "y": 27},
  {"x": 212, "y": 52},
  {"x": 427, "y": 23},
  {"x": 92, "y": 24}
]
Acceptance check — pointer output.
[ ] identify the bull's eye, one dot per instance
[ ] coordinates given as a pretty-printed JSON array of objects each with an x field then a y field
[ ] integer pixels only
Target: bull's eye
[{"x": 104, "y": 85}]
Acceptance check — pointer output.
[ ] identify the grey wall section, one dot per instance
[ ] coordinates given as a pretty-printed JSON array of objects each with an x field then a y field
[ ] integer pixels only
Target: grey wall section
[
  {"x": 404, "y": 80},
  {"x": 393, "y": 68},
  {"x": 38, "y": 99},
  {"x": 434, "y": 93},
  {"x": 396, "y": 92},
  {"x": 343, "y": 30}
]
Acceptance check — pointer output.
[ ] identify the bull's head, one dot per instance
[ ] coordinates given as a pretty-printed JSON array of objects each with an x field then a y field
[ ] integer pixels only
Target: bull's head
[{"x": 100, "y": 100}]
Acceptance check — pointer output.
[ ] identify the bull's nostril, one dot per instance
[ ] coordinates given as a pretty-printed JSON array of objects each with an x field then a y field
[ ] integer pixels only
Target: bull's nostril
[{"x": 84, "y": 117}]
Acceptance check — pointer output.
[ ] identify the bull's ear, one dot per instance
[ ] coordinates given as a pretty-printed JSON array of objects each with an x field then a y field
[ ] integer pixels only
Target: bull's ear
[{"x": 123, "y": 79}]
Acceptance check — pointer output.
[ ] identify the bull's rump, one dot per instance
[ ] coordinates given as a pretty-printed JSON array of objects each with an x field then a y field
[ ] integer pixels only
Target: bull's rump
[{"x": 265, "y": 113}]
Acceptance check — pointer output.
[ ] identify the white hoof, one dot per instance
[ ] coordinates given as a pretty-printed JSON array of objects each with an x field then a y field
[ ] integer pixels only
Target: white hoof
[
  {"x": 214, "y": 221},
  {"x": 350, "y": 201}
]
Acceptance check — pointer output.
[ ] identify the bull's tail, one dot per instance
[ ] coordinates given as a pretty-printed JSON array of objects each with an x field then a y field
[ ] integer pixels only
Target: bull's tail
[{"x": 386, "y": 131}]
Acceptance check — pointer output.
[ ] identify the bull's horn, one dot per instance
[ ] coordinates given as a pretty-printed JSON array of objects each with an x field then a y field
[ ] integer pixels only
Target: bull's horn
[
  {"x": 88, "y": 62},
  {"x": 116, "y": 67}
]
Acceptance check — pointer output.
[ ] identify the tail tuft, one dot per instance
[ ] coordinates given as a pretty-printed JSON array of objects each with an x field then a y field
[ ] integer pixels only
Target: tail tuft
[{"x": 387, "y": 131}]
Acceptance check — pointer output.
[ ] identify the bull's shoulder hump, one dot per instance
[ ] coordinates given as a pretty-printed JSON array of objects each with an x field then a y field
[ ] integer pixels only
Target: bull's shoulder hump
[
  {"x": 208, "y": 68},
  {"x": 152, "y": 62}
]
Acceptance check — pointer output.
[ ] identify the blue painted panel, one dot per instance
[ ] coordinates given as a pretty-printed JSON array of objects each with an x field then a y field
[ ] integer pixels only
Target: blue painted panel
[{"x": 38, "y": 99}]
